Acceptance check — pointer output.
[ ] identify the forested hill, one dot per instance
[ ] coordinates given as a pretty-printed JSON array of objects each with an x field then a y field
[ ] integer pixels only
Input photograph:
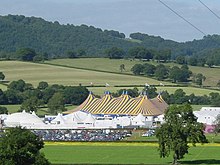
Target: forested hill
[
  {"x": 55, "y": 39},
  {"x": 43, "y": 36}
]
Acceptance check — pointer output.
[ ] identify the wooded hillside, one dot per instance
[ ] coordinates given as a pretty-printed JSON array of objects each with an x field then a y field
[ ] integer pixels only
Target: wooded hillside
[{"x": 55, "y": 39}]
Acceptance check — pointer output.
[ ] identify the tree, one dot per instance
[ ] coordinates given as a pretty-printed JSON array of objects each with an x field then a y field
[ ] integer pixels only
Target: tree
[
  {"x": 137, "y": 69},
  {"x": 192, "y": 61},
  {"x": 56, "y": 104},
  {"x": 175, "y": 73},
  {"x": 217, "y": 124},
  {"x": 20, "y": 146},
  {"x": 26, "y": 54},
  {"x": 75, "y": 95},
  {"x": 17, "y": 85},
  {"x": 3, "y": 110},
  {"x": 218, "y": 84},
  {"x": 115, "y": 53},
  {"x": 42, "y": 85},
  {"x": 199, "y": 78},
  {"x": 150, "y": 91},
  {"x": 71, "y": 54},
  {"x": 3, "y": 99},
  {"x": 161, "y": 72},
  {"x": 31, "y": 104},
  {"x": 148, "y": 69},
  {"x": 180, "y": 128},
  {"x": 215, "y": 99},
  {"x": 2, "y": 76},
  {"x": 180, "y": 60},
  {"x": 131, "y": 92},
  {"x": 81, "y": 52},
  {"x": 13, "y": 96},
  {"x": 122, "y": 67}
]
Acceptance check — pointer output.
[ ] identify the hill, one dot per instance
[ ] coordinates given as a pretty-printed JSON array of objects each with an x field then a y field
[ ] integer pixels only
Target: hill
[
  {"x": 34, "y": 73},
  {"x": 62, "y": 72},
  {"x": 56, "y": 39},
  {"x": 112, "y": 65}
]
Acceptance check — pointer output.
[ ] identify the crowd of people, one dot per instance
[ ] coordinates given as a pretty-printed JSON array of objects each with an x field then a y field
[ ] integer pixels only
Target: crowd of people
[{"x": 82, "y": 135}]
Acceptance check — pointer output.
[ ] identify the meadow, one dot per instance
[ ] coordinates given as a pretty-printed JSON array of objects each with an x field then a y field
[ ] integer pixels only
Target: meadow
[
  {"x": 105, "y": 64},
  {"x": 3, "y": 87},
  {"x": 34, "y": 73},
  {"x": 187, "y": 90},
  {"x": 124, "y": 153}
]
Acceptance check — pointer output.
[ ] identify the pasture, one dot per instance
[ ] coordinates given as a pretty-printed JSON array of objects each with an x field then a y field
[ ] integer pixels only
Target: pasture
[
  {"x": 3, "y": 87},
  {"x": 34, "y": 73},
  {"x": 124, "y": 153},
  {"x": 170, "y": 90},
  {"x": 105, "y": 64}
]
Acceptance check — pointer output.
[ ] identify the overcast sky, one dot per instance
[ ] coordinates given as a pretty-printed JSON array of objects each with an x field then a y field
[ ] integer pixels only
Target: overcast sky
[{"x": 127, "y": 16}]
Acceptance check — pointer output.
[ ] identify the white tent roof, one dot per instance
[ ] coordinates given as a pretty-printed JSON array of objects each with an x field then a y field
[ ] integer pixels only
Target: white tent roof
[
  {"x": 59, "y": 118},
  {"x": 89, "y": 119},
  {"x": 78, "y": 116},
  {"x": 23, "y": 118}
]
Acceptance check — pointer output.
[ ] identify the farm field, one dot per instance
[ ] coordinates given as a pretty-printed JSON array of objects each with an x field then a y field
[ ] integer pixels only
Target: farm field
[
  {"x": 105, "y": 64},
  {"x": 3, "y": 87},
  {"x": 124, "y": 153},
  {"x": 34, "y": 73}
]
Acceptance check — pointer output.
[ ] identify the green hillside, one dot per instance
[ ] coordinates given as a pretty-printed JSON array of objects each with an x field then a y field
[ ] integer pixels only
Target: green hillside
[
  {"x": 112, "y": 65},
  {"x": 55, "y": 39},
  {"x": 34, "y": 73}
]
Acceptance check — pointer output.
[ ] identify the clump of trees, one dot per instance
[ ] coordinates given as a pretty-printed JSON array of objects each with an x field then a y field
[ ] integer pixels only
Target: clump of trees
[
  {"x": 55, "y": 96},
  {"x": 180, "y": 128},
  {"x": 161, "y": 72},
  {"x": 2, "y": 76},
  {"x": 19, "y": 146}
]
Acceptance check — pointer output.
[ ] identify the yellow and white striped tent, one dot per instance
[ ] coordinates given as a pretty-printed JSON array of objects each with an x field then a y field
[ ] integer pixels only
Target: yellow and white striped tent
[{"x": 123, "y": 105}]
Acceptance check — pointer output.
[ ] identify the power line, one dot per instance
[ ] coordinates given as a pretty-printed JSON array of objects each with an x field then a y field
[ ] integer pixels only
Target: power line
[
  {"x": 209, "y": 9},
  {"x": 182, "y": 17}
]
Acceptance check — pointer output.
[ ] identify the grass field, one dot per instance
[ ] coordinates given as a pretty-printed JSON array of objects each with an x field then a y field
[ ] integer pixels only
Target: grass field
[
  {"x": 105, "y": 64},
  {"x": 187, "y": 90},
  {"x": 124, "y": 153},
  {"x": 3, "y": 87},
  {"x": 34, "y": 73}
]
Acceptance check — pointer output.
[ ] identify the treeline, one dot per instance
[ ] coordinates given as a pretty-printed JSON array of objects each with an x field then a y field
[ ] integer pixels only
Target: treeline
[
  {"x": 178, "y": 97},
  {"x": 52, "y": 39},
  {"x": 54, "y": 96}
]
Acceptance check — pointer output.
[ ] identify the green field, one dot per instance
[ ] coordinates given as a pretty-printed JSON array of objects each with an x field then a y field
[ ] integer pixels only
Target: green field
[
  {"x": 124, "y": 153},
  {"x": 105, "y": 64},
  {"x": 34, "y": 73},
  {"x": 187, "y": 90},
  {"x": 3, "y": 87}
]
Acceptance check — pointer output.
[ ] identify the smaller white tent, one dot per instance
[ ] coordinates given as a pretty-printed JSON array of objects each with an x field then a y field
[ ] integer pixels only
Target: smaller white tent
[
  {"x": 23, "y": 119},
  {"x": 58, "y": 120},
  {"x": 75, "y": 117}
]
